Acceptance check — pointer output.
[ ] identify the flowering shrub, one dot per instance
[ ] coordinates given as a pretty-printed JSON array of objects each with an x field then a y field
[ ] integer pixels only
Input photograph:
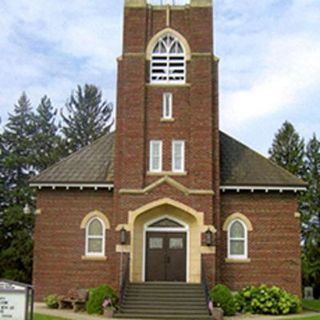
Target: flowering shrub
[
  {"x": 223, "y": 298},
  {"x": 265, "y": 300}
]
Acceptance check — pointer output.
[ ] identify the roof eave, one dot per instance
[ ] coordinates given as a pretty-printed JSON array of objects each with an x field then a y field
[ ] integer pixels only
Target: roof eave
[{"x": 73, "y": 185}]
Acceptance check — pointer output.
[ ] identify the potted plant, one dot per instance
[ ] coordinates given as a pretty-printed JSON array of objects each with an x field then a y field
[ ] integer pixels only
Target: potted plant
[{"x": 108, "y": 308}]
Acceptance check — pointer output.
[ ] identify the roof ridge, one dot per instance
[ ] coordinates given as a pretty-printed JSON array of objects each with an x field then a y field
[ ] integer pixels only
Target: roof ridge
[
  {"x": 263, "y": 157},
  {"x": 73, "y": 154}
]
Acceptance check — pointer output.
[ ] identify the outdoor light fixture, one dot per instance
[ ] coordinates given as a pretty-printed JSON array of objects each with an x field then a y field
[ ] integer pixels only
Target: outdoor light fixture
[
  {"x": 123, "y": 236},
  {"x": 209, "y": 237}
]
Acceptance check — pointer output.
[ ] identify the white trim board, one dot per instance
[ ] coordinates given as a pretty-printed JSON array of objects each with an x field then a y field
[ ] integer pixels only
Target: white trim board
[
  {"x": 68, "y": 186},
  {"x": 261, "y": 188}
]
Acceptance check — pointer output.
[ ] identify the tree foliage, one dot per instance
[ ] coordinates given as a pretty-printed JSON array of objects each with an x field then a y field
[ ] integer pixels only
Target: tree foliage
[
  {"x": 88, "y": 118},
  {"x": 18, "y": 165},
  {"x": 288, "y": 149},
  {"x": 310, "y": 209},
  {"x": 30, "y": 142},
  {"x": 48, "y": 143}
]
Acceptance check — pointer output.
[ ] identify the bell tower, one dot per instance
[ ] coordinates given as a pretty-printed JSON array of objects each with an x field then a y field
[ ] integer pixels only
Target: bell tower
[{"x": 167, "y": 129}]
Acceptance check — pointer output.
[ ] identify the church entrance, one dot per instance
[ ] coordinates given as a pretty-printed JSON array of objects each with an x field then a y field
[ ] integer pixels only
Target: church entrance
[{"x": 166, "y": 251}]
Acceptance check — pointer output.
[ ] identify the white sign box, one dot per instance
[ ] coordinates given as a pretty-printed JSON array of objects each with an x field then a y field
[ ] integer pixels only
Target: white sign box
[{"x": 13, "y": 301}]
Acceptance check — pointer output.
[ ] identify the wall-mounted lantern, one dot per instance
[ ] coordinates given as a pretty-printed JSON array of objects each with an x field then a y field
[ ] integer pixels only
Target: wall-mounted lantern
[
  {"x": 123, "y": 236},
  {"x": 209, "y": 238}
]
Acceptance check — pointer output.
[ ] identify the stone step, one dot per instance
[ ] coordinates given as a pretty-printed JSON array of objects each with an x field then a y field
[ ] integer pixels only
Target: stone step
[
  {"x": 168, "y": 303},
  {"x": 164, "y": 301}
]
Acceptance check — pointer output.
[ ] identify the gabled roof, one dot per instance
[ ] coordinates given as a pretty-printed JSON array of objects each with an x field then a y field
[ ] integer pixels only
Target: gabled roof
[
  {"x": 240, "y": 166},
  {"x": 91, "y": 164}
]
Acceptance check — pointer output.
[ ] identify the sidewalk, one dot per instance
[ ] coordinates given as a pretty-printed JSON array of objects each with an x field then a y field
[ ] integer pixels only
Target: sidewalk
[
  {"x": 69, "y": 314},
  {"x": 305, "y": 314}
]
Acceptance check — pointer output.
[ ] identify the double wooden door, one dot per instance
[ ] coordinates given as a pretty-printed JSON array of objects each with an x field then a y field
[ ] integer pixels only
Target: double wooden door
[{"x": 166, "y": 256}]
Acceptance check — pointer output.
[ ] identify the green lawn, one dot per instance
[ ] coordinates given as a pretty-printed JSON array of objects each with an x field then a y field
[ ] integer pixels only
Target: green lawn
[
  {"x": 307, "y": 318},
  {"x": 311, "y": 304},
  {"x": 42, "y": 317}
]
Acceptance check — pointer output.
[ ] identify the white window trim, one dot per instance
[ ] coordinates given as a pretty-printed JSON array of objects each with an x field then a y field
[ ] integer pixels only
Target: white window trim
[
  {"x": 238, "y": 256},
  {"x": 151, "y": 146},
  {"x": 174, "y": 142},
  {"x": 102, "y": 237},
  {"x": 164, "y": 104}
]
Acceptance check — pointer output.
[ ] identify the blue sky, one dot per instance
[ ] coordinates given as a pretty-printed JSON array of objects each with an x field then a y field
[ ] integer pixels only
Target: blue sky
[{"x": 269, "y": 51}]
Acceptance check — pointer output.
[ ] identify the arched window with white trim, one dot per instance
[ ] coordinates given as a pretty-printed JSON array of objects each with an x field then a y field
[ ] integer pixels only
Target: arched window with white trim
[
  {"x": 168, "y": 61},
  {"x": 237, "y": 240},
  {"x": 95, "y": 237}
]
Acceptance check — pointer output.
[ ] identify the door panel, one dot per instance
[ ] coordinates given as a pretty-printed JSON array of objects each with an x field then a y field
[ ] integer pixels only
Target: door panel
[
  {"x": 166, "y": 256},
  {"x": 155, "y": 257},
  {"x": 176, "y": 253}
]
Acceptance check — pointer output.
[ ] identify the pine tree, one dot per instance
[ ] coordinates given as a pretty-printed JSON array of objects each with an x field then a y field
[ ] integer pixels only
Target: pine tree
[
  {"x": 310, "y": 209},
  {"x": 288, "y": 149},
  {"x": 16, "y": 227},
  {"x": 48, "y": 144},
  {"x": 88, "y": 117}
]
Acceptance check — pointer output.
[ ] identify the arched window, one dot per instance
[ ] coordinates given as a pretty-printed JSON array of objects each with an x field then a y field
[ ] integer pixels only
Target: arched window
[
  {"x": 237, "y": 240},
  {"x": 95, "y": 237},
  {"x": 168, "y": 61}
]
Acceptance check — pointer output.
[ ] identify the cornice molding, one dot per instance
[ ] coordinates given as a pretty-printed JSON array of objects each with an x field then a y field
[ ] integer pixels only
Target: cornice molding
[{"x": 172, "y": 182}]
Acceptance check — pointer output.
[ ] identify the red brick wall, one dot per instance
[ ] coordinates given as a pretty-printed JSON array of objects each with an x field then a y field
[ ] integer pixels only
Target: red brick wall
[
  {"x": 195, "y": 109},
  {"x": 274, "y": 243},
  {"x": 60, "y": 243}
]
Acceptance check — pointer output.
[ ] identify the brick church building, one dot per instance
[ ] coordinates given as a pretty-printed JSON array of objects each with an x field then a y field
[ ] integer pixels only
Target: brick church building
[{"x": 167, "y": 197}]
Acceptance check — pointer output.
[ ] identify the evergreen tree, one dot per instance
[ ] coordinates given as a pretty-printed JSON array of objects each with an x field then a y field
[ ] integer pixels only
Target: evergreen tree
[
  {"x": 310, "y": 209},
  {"x": 16, "y": 227},
  {"x": 288, "y": 149},
  {"x": 48, "y": 144},
  {"x": 88, "y": 117}
]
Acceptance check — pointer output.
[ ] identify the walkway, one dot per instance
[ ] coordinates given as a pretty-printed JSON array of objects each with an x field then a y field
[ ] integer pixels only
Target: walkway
[
  {"x": 263, "y": 317},
  {"x": 69, "y": 314}
]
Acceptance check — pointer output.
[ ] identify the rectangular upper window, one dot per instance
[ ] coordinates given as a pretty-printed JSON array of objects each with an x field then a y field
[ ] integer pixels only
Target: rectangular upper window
[
  {"x": 155, "y": 158},
  {"x": 178, "y": 156},
  {"x": 167, "y": 106}
]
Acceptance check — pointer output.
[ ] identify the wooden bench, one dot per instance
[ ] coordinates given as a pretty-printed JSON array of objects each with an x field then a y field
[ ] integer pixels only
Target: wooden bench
[{"x": 75, "y": 299}]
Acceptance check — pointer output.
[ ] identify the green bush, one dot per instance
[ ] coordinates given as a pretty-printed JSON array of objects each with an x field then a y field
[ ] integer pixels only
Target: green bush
[
  {"x": 52, "y": 301},
  {"x": 265, "y": 300},
  {"x": 97, "y": 297},
  {"x": 223, "y": 298}
]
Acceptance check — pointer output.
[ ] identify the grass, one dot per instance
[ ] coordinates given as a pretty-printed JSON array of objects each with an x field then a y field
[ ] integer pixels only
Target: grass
[
  {"x": 43, "y": 317},
  {"x": 306, "y": 318},
  {"x": 311, "y": 304}
]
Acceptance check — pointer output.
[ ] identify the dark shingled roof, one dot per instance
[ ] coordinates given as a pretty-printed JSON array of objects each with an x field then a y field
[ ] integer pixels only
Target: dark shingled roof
[
  {"x": 240, "y": 166},
  {"x": 91, "y": 164}
]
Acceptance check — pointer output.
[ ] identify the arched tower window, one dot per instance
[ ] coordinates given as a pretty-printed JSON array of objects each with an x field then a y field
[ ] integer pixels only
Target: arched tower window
[{"x": 168, "y": 61}]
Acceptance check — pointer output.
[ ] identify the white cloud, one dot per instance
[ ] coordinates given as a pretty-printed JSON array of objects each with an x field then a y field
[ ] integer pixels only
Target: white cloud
[
  {"x": 49, "y": 46},
  {"x": 276, "y": 67}
]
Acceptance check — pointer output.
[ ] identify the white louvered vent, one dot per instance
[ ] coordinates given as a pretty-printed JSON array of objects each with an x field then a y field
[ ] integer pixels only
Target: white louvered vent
[{"x": 168, "y": 62}]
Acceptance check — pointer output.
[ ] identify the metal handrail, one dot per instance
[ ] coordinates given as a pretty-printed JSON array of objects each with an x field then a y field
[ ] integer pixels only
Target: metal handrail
[
  {"x": 204, "y": 282},
  {"x": 125, "y": 279}
]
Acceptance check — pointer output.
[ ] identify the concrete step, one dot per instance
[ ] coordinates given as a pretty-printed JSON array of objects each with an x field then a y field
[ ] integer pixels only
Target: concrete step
[{"x": 164, "y": 301}]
